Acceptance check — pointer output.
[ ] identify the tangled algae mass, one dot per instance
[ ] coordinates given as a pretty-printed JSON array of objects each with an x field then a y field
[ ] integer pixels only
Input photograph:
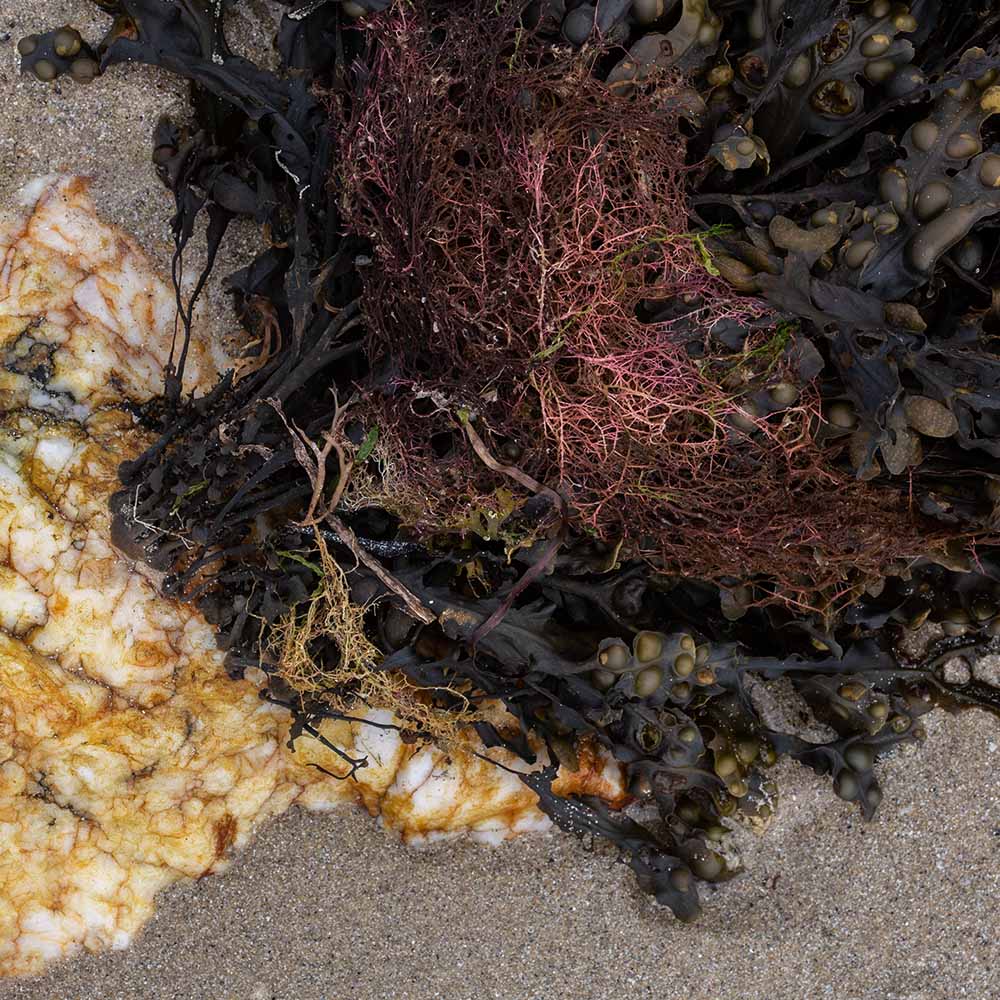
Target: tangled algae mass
[
  {"x": 129, "y": 759},
  {"x": 606, "y": 365}
]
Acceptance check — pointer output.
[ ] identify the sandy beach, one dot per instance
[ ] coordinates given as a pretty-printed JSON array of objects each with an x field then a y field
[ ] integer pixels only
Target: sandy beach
[{"x": 325, "y": 907}]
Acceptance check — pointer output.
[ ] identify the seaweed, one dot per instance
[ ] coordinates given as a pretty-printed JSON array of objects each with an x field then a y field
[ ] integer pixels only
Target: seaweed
[
  {"x": 725, "y": 420},
  {"x": 803, "y": 74},
  {"x": 57, "y": 53}
]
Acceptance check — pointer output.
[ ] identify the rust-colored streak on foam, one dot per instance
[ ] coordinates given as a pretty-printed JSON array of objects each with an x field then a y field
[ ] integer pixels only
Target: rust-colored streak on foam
[
  {"x": 595, "y": 775},
  {"x": 225, "y": 835},
  {"x": 128, "y": 759}
]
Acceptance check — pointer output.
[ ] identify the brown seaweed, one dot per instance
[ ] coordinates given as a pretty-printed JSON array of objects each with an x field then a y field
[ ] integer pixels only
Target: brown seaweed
[{"x": 874, "y": 246}]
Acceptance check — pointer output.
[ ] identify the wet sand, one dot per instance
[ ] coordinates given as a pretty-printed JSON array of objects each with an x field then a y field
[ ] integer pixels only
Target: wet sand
[
  {"x": 324, "y": 907},
  {"x": 330, "y": 908}
]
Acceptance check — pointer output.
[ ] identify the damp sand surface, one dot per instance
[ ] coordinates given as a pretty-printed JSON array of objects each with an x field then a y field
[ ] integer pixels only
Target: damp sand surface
[
  {"x": 324, "y": 907},
  {"x": 327, "y": 907}
]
